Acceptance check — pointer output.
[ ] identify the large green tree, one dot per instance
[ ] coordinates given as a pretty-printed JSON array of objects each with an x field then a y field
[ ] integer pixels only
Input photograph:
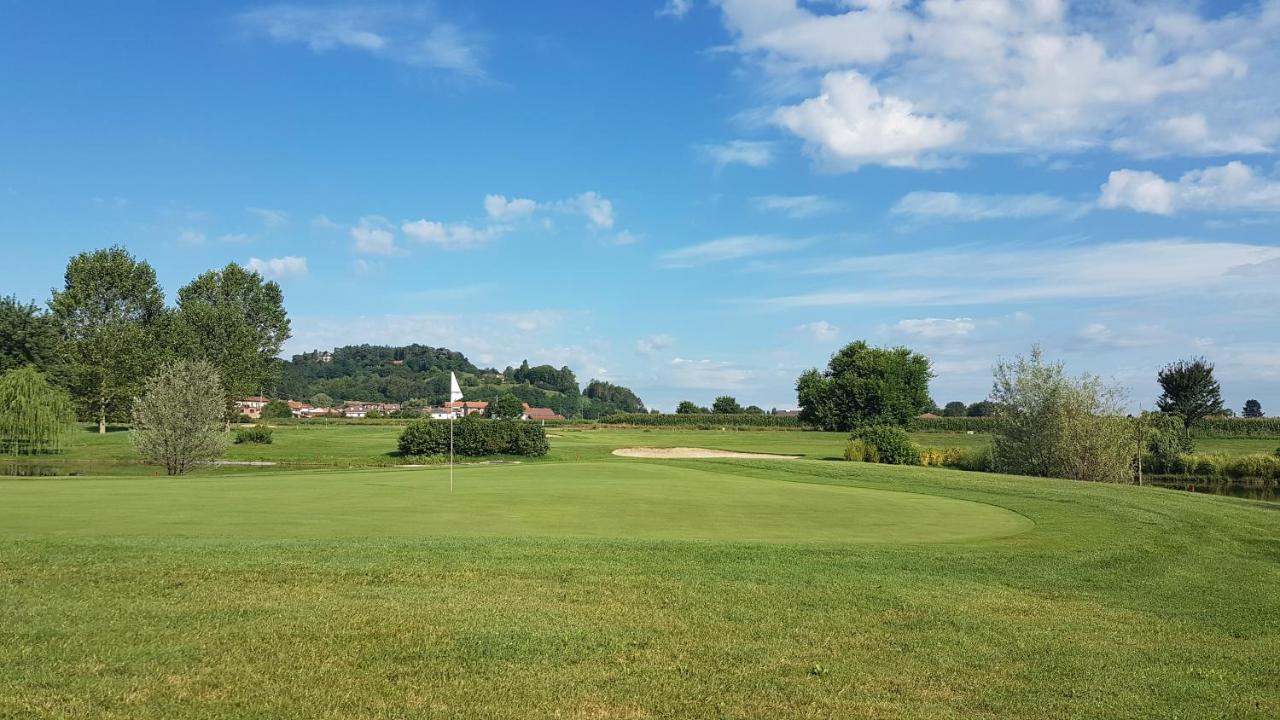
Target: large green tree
[
  {"x": 1189, "y": 391},
  {"x": 237, "y": 322},
  {"x": 864, "y": 385},
  {"x": 726, "y": 405},
  {"x": 34, "y": 414},
  {"x": 1252, "y": 409},
  {"x": 506, "y": 407},
  {"x": 110, "y": 316},
  {"x": 28, "y": 336}
]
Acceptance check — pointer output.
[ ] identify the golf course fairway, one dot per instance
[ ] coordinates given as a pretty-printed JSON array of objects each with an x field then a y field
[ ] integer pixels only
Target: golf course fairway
[{"x": 611, "y": 499}]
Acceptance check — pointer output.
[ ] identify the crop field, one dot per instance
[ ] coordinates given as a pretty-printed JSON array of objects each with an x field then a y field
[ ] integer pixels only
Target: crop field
[{"x": 585, "y": 585}]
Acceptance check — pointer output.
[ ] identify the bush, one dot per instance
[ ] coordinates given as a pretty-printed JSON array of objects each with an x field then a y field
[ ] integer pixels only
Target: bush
[
  {"x": 703, "y": 421},
  {"x": 983, "y": 424},
  {"x": 882, "y": 443},
  {"x": 474, "y": 437},
  {"x": 1252, "y": 467},
  {"x": 1051, "y": 425},
  {"x": 276, "y": 410},
  {"x": 256, "y": 435},
  {"x": 178, "y": 421}
]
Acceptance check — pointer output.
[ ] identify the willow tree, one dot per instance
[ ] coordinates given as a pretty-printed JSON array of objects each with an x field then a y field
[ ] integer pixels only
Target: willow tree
[
  {"x": 34, "y": 414},
  {"x": 178, "y": 421}
]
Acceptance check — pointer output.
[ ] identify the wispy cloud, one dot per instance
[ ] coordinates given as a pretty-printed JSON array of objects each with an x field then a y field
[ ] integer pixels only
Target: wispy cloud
[
  {"x": 981, "y": 275},
  {"x": 973, "y": 208},
  {"x": 820, "y": 330},
  {"x": 653, "y": 344},
  {"x": 375, "y": 235},
  {"x": 270, "y": 218},
  {"x": 707, "y": 375},
  {"x": 675, "y": 8},
  {"x": 752, "y": 153},
  {"x": 413, "y": 36},
  {"x": 730, "y": 248},
  {"x": 936, "y": 328},
  {"x": 795, "y": 206}
]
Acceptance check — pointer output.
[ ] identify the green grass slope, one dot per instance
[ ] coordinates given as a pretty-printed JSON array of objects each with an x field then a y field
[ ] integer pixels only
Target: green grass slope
[{"x": 629, "y": 589}]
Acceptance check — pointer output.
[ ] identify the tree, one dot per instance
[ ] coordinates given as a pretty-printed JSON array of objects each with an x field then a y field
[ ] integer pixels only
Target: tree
[
  {"x": 506, "y": 407},
  {"x": 726, "y": 405},
  {"x": 1190, "y": 392},
  {"x": 236, "y": 321},
  {"x": 1051, "y": 425},
  {"x": 1252, "y": 409},
  {"x": 277, "y": 410},
  {"x": 688, "y": 407},
  {"x": 27, "y": 336},
  {"x": 955, "y": 408},
  {"x": 178, "y": 422},
  {"x": 110, "y": 316},
  {"x": 982, "y": 408},
  {"x": 34, "y": 414},
  {"x": 321, "y": 400},
  {"x": 753, "y": 410},
  {"x": 863, "y": 385}
]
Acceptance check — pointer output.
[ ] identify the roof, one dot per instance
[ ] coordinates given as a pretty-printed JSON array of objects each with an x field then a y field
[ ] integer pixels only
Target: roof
[
  {"x": 537, "y": 413},
  {"x": 256, "y": 398}
]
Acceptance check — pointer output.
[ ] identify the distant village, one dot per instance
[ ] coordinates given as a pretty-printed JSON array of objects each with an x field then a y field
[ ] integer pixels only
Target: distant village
[{"x": 251, "y": 407}]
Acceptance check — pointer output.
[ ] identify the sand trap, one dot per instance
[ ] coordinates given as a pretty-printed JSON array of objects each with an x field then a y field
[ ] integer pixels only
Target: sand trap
[{"x": 688, "y": 453}]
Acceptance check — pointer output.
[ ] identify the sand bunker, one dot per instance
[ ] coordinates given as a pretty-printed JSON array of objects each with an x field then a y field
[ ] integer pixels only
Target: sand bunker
[{"x": 687, "y": 453}]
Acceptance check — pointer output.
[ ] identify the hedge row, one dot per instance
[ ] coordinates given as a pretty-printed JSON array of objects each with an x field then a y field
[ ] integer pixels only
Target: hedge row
[
  {"x": 953, "y": 424},
  {"x": 474, "y": 437},
  {"x": 1207, "y": 428},
  {"x": 704, "y": 421},
  {"x": 1218, "y": 466},
  {"x": 1236, "y": 428}
]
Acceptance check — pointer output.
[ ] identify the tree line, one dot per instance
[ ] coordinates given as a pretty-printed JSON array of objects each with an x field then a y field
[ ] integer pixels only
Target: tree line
[
  {"x": 1045, "y": 422},
  {"x": 108, "y": 329}
]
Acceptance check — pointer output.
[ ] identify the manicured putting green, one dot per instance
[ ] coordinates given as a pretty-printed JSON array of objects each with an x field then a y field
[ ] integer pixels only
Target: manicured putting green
[{"x": 612, "y": 499}]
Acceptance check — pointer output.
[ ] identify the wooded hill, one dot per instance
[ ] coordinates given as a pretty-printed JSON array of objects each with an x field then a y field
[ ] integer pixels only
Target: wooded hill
[{"x": 421, "y": 373}]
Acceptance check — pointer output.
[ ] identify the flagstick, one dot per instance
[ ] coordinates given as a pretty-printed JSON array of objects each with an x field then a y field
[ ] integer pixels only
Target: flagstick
[{"x": 451, "y": 451}]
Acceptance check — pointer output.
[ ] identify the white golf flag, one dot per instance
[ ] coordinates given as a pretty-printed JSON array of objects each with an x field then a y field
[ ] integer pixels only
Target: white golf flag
[{"x": 455, "y": 392}]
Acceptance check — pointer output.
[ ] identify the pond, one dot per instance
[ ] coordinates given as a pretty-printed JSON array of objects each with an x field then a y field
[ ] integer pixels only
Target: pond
[{"x": 1267, "y": 492}]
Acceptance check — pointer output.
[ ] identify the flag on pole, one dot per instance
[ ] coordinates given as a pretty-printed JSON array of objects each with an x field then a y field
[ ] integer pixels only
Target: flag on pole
[{"x": 455, "y": 394}]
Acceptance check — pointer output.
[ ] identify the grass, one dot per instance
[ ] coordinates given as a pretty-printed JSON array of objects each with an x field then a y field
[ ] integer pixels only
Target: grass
[
  {"x": 587, "y": 586},
  {"x": 349, "y": 446}
]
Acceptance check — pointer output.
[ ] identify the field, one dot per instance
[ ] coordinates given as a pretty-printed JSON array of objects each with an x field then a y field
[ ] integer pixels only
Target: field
[{"x": 589, "y": 586}]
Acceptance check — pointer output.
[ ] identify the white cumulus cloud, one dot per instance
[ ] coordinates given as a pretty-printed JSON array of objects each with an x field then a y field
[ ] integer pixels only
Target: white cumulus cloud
[
  {"x": 851, "y": 124},
  {"x": 498, "y": 207},
  {"x": 1234, "y": 186},
  {"x": 279, "y": 268}
]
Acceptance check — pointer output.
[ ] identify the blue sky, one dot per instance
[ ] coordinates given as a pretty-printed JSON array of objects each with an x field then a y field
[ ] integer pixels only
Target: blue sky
[{"x": 688, "y": 198}]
